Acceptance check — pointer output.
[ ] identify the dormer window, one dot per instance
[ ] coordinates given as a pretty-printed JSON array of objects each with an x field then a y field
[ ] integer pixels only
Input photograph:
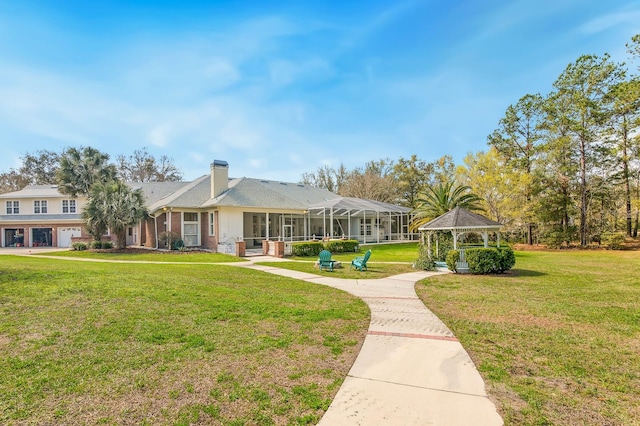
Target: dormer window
[
  {"x": 13, "y": 207},
  {"x": 40, "y": 206}
]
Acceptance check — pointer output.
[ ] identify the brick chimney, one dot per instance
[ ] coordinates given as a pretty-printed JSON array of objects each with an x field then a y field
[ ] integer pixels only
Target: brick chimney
[{"x": 219, "y": 177}]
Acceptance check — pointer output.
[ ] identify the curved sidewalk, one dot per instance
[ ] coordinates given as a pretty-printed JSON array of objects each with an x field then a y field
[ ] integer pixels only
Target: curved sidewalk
[{"x": 411, "y": 369}]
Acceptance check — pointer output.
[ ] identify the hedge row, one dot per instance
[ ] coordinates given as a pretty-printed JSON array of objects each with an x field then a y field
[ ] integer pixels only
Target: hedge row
[
  {"x": 484, "y": 260},
  {"x": 314, "y": 248},
  {"x": 80, "y": 246}
]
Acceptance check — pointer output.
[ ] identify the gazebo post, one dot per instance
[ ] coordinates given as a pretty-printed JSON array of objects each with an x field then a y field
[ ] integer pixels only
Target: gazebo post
[{"x": 455, "y": 239}]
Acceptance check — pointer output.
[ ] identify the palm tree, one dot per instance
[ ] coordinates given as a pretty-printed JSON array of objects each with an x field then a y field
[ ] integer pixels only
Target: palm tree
[
  {"x": 81, "y": 168},
  {"x": 441, "y": 199},
  {"x": 116, "y": 206}
]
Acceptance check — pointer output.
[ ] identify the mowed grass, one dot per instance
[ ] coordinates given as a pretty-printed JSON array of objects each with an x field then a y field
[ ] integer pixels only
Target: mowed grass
[
  {"x": 394, "y": 252},
  {"x": 386, "y": 260},
  {"x": 105, "y": 343},
  {"x": 373, "y": 271},
  {"x": 148, "y": 256},
  {"x": 557, "y": 340}
]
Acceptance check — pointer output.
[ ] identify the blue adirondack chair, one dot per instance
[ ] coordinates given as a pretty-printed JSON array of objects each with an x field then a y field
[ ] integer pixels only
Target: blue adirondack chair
[
  {"x": 360, "y": 262},
  {"x": 325, "y": 260}
]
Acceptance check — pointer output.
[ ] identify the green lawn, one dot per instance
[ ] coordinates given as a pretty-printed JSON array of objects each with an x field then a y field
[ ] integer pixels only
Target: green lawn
[
  {"x": 557, "y": 340},
  {"x": 105, "y": 343},
  {"x": 374, "y": 270},
  {"x": 149, "y": 256},
  {"x": 397, "y": 252},
  {"x": 385, "y": 260}
]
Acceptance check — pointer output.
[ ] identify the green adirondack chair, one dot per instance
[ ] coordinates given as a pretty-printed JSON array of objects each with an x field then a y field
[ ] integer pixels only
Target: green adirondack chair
[
  {"x": 360, "y": 262},
  {"x": 325, "y": 260}
]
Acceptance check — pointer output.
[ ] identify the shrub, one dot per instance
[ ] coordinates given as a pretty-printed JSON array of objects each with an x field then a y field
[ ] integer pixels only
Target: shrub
[
  {"x": 79, "y": 246},
  {"x": 490, "y": 260},
  {"x": 307, "y": 248},
  {"x": 482, "y": 260},
  {"x": 556, "y": 238},
  {"x": 343, "y": 246},
  {"x": 506, "y": 259},
  {"x": 96, "y": 244},
  {"x": 107, "y": 245},
  {"x": 452, "y": 259},
  {"x": 424, "y": 260},
  {"x": 168, "y": 238},
  {"x": 613, "y": 240},
  {"x": 178, "y": 245}
]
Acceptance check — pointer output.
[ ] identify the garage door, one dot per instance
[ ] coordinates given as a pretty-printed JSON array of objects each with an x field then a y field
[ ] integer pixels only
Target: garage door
[{"x": 65, "y": 234}]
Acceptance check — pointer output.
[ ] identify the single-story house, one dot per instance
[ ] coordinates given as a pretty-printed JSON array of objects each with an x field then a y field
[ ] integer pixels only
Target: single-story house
[{"x": 211, "y": 212}]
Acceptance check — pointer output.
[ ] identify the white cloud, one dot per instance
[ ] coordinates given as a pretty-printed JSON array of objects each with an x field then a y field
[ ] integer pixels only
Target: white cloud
[{"x": 611, "y": 20}]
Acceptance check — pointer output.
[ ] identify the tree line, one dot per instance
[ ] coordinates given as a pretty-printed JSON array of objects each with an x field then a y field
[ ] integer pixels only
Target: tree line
[
  {"x": 40, "y": 168},
  {"x": 560, "y": 168}
]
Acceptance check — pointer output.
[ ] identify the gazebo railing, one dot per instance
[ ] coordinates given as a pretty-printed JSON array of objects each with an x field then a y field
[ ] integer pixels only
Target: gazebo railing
[{"x": 462, "y": 264}]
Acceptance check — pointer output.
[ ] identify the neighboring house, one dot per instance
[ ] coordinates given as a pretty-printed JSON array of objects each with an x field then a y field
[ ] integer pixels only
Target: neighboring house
[
  {"x": 214, "y": 212},
  {"x": 39, "y": 216}
]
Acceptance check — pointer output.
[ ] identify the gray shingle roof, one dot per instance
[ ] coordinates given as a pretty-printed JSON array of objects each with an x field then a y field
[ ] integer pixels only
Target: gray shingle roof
[
  {"x": 259, "y": 193},
  {"x": 35, "y": 191},
  {"x": 459, "y": 218},
  {"x": 176, "y": 194},
  {"x": 156, "y": 191}
]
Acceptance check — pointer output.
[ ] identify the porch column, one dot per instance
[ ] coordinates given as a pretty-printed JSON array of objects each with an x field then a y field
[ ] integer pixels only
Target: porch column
[
  {"x": 331, "y": 225},
  {"x": 324, "y": 223},
  {"x": 378, "y": 227},
  {"x": 266, "y": 224},
  {"x": 485, "y": 237},
  {"x": 364, "y": 226}
]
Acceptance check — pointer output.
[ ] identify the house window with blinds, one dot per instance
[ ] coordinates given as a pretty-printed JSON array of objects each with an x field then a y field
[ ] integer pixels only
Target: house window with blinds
[{"x": 190, "y": 229}]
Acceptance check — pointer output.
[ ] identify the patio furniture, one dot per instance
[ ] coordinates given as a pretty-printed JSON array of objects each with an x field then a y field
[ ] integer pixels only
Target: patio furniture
[
  {"x": 325, "y": 260},
  {"x": 360, "y": 262}
]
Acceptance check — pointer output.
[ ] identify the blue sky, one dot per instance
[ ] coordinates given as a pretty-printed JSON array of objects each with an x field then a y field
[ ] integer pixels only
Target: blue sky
[{"x": 280, "y": 88}]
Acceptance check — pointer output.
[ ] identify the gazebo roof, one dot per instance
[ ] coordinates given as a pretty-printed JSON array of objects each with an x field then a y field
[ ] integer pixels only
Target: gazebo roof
[{"x": 459, "y": 218}]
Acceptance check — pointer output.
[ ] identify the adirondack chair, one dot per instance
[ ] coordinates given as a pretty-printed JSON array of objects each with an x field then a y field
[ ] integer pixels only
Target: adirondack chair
[
  {"x": 325, "y": 260},
  {"x": 360, "y": 262}
]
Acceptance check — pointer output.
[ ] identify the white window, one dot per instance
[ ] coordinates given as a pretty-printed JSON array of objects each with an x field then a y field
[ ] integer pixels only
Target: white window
[
  {"x": 190, "y": 229},
  {"x": 365, "y": 227},
  {"x": 212, "y": 224},
  {"x": 68, "y": 206},
  {"x": 13, "y": 207},
  {"x": 39, "y": 207}
]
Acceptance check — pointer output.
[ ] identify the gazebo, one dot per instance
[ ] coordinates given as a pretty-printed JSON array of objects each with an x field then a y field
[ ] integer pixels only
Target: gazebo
[{"x": 459, "y": 222}]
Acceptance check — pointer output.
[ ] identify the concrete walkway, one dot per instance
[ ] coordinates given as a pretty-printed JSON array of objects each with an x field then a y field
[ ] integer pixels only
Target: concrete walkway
[{"x": 411, "y": 369}]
